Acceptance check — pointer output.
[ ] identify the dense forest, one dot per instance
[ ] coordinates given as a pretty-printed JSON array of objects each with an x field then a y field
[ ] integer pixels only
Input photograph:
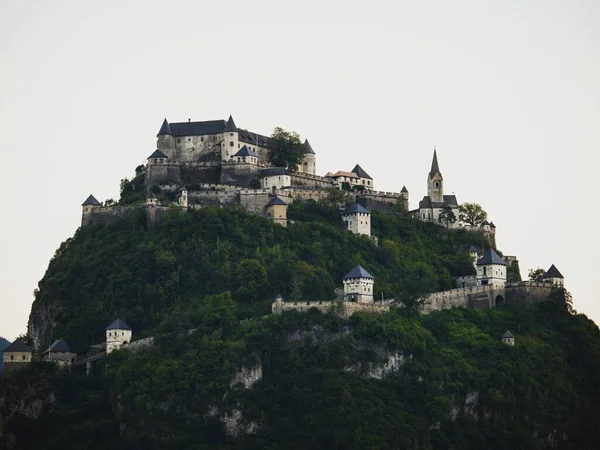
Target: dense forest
[
  {"x": 202, "y": 283},
  {"x": 3, "y": 344}
]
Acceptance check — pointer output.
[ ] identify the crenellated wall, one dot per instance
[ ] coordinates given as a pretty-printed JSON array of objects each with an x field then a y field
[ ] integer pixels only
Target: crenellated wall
[{"x": 310, "y": 180}]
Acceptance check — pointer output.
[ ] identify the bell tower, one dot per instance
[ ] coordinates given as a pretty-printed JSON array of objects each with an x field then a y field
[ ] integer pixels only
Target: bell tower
[{"x": 435, "y": 181}]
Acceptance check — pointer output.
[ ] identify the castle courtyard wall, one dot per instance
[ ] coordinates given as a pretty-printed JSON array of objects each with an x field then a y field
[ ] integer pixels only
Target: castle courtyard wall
[{"x": 240, "y": 174}]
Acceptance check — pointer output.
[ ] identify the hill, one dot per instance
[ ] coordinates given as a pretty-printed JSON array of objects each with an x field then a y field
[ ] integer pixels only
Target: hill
[
  {"x": 214, "y": 379},
  {"x": 3, "y": 344}
]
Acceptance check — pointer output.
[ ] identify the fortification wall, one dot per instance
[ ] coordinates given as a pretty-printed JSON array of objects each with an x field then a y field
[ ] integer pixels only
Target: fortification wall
[
  {"x": 213, "y": 197},
  {"x": 344, "y": 309},
  {"x": 528, "y": 291},
  {"x": 163, "y": 173},
  {"x": 240, "y": 174},
  {"x": 11, "y": 368},
  {"x": 480, "y": 297},
  {"x": 109, "y": 213},
  {"x": 308, "y": 193},
  {"x": 255, "y": 200},
  {"x": 140, "y": 344},
  {"x": 154, "y": 214},
  {"x": 306, "y": 179},
  {"x": 194, "y": 173}
]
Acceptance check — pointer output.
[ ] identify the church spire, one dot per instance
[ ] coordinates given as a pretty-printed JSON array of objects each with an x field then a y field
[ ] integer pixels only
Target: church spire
[{"x": 435, "y": 168}]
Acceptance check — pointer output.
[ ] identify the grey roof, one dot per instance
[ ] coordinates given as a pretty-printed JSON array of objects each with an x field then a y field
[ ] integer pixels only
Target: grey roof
[
  {"x": 273, "y": 171},
  {"x": 449, "y": 200},
  {"x": 230, "y": 125},
  {"x": 485, "y": 222},
  {"x": 60, "y": 345},
  {"x": 490, "y": 257},
  {"x": 150, "y": 194},
  {"x": 361, "y": 172},
  {"x": 253, "y": 138},
  {"x": 473, "y": 249},
  {"x": 308, "y": 148},
  {"x": 118, "y": 325},
  {"x": 198, "y": 128},
  {"x": 358, "y": 272},
  {"x": 552, "y": 272},
  {"x": 356, "y": 208},
  {"x": 245, "y": 151},
  {"x": 275, "y": 201},
  {"x": 435, "y": 168},
  {"x": 157, "y": 154},
  {"x": 508, "y": 334},
  {"x": 165, "y": 129},
  {"x": 91, "y": 200},
  {"x": 404, "y": 189},
  {"x": 492, "y": 225},
  {"x": 17, "y": 346}
]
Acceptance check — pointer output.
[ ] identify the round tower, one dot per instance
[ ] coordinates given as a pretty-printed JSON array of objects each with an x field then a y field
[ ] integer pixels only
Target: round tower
[
  {"x": 435, "y": 181},
  {"x": 165, "y": 141},
  {"x": 230, "y": 144},
  {"x": 309, "y": 161}
]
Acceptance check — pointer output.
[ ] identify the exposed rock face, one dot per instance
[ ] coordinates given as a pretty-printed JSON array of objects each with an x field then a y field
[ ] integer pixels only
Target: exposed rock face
[
  {"x": 235, "y": 424},
  {"x": 390, "y": 365},
  {"x": 42, "y": 322},
  {"x": 247, "y": 376}
]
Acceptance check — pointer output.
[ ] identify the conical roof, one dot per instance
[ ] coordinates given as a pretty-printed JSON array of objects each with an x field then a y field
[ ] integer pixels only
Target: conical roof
[
  {"x": 435, "y": 168},
  {"x": 404, "y": 190},
  {"x": 308, "y": 148},
  {"x": 60, "y": 345},
  {"x": 552, "y": 272},
  {"x": 17, "y": 346},
  {"x": 157, "y": 154},
  {"x": 165, "y": 129},
  {"x": 508, "y": 334},
  {"x": 361, "y": 172},
  {"x": 118, "y": 325},
  {"x": 230, "y": 125},
  {"x": 490, "y": 257},
  {"x": 358, "y": 272},
  {"x": 91, "y": 200}
]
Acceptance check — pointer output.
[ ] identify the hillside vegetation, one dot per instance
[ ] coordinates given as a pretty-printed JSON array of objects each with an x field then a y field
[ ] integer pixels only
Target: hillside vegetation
[
  {"x": 3, "y": 344},
  {"x": 392, "y": 381}
]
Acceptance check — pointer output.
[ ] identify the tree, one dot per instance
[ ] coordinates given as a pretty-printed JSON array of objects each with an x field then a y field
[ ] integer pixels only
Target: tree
[
  {"x": 472, "y": 214},
  {"x": 536, "y": 275},
  {"x": 251, "y": 280},
  {"x": 447, "y": 216},
  {"x": 337, "y": 198},
  {"x": 285, "y": 149}
]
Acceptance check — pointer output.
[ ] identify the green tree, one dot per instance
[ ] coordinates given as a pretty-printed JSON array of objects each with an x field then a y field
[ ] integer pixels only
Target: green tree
[
  {"x": 251, "y": 280},
  {"x": 447, "y": 216},
  {"x": 338, "y": 198},
  {"x": 536, "y": 274},
  {"x": 285, "y": 149},
  {"x": 472, "y": 214}
]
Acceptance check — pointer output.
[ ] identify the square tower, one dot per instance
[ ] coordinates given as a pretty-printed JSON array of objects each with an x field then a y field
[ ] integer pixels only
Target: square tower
[
  {"x": 491, "y": 269},
  {"x": 118, "y": 334},
  {"x": 358, "y": 286},
  {"x": 357, "y": 219}
]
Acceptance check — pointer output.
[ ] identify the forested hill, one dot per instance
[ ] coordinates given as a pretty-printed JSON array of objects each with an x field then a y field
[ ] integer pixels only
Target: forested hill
[
  {"x": 3, "y": 344},
  {"x": 391, "y": 381}
]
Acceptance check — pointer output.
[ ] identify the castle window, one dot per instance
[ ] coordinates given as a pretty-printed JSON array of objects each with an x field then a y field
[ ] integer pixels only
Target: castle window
[
  {"x": 485, "y": 271},
  {"x": 12, "y": 357},
  {"x": 231, "y": 143},
  {"x": 24, "y": 357},
  {"x": 201, "y": 139},
  {"x": 230, "y": 134},
  {"x": 179, "y": 141},
  {"x": 189, "y": 139}
]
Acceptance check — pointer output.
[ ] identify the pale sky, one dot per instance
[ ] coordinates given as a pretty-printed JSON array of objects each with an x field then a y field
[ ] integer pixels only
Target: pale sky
[{"x": 508, "y": 91}]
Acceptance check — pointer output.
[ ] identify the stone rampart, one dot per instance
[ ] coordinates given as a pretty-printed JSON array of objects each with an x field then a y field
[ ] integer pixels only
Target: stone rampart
[
  {"x": 528, "y": 291},
  {"x": 255, "y": 200},
  {"x": 140, "y": 344},
  {"x": 216, "y": 197},
  {"x": 307, "y": 193},
  {"x": 200, "y": 172},
  {"x": 480, "y": 297},
  {"x": 240, "y": 174},
  {"x": 306, "y": 179},
  {"x": 162, "y": 173},
  {"x": 344, "y": 309},
  {"x": 109, "y": 213}
]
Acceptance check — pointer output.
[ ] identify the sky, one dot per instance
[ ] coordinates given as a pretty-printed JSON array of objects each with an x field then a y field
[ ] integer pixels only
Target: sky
[{"x": 508, "y": 92}]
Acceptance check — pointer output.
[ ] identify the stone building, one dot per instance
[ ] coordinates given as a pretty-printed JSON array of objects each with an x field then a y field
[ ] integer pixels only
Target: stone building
[
  {"x": 435, "y": 202},
  {"x": 357, "y": 177},
  {"x": 118, "y": 334},
  {"x": 508, "y": 338},
  {"x": 491, "y": 269},
  {"x": 357, "y": 219},
  {"x": 275, "y": 177},
  {"x": 17, "y": 352},
  {"x": 553, "y": 276},
  {"x": 60, "y": 352},
  {"x": 276, "y": 210},
  {"x": 358, "y": 285},
  {"x": 88, "y": 207},
  {"x": 245, "y": 155}
]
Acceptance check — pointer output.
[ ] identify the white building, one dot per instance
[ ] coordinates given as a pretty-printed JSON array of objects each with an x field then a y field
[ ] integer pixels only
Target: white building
[
  {"x": 358, "y": 285},
  {"x": 553, "y": 276},
  {"x": 491, "y": 269},
  {"x": 245, "y": 155},
  {"x": 358, "y": 177},
  {"x": 357, "y": 219},
  {"x": 118, "y": 333},
  {"x": 275, "y": 177},
  {"x": 508, "y": 338}
]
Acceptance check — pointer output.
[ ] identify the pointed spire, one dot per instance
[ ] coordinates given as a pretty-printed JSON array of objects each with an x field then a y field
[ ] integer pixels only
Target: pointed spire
[
  {"x": 91, "y": 200},
  {"x": 165, "y": 129},
  {"x": 404, "y": 190},
  {"x": 435, "y": 168},
  {"x": 230, "y": 125},
  {"x": 308, "y": 148}
]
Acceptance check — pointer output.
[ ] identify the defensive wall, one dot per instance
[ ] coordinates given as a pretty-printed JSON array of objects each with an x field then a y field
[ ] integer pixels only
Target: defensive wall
[
  {"x": 383, "y": 202},
  {"x": 107, "y": 214},
  {"x": 309, "y": 180},
  {"x": 344, "y": 309},
  {"x": 241, "y": 174},
  {"x": 182, "y": 173}
]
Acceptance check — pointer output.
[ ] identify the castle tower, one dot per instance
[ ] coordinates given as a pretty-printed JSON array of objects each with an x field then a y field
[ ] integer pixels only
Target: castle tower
[
  {"x": 358, "y": 286},
  {"x": 491, "y": 269},
  {"x": 276, "y": 210},
  {"x": 61, "y": 352},
  {"x": 404, "y": 197},
  {"x": 435, "y": 181},
  {"x": 357, "y": 219},
  {"x": 89, "y": 206},
  {"x": 17, "y": 352},
  {"x": 229, "y": 146},
  {"x": 245, "y": 155},
  {"x": 508, "y": 338},
  {"x": 157, "y": 157},
  {"x": 164, "y": 140},
  {"x": 118, "y": 333},
  {"x": 183, "y": 197},
  {"x": 151, "y": 199},
  {"x": 553, "y": 276},
  {"x": 309, "y": 162}
]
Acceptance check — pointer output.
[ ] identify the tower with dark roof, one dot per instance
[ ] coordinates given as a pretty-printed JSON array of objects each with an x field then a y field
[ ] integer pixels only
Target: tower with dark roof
[
  {"x": 309, "y": 161},
  {"x": 231, "y": 142},
  {"x": 553, "y": 276},
  {"x": 276, "y": 210},
  {"x": 358, "y": 285},
  {"x": 357, "y": 219},
  {"x": 118, "y": 334},
  {"x": 88, "y": 207},
  {"x": 435, "y": 181},
  {"x": 508, "y": 338},
  {"x": 165, "y": 141},
  {"x": 491, "y": 269}
]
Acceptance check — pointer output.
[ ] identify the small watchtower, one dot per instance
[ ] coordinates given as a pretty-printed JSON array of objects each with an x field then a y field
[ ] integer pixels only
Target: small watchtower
[
  {"x": 245, "y": 155},
  {"x": 60, "y": 352},
  {"x": 230, "y": 143},
  {"x": 165, "y": 142},
  {"x": 88, "y": 207},
  {"x": 553, "y": 276},
  {"x": 276, "y": 210},
  {"x": 491, "y": 269},
  {"x": 118, "y": 334},
  {"x": 357, "y": 219},
  {"x": 17, "y": 352},
  {"x": 157, "y": 157},
  {"x": 151, "y": 199},
  {"x": 508, "y": 338},
  {"x": 309, "y": 161},
  {"x": 358, "y": 285}
]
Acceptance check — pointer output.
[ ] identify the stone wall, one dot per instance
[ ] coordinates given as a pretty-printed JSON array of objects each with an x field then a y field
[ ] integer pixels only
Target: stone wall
[
  {"x": 528, "y": 291},
  {"x": 309, "y": 180},
  {"x": 109, "y": 213},
  {"x": 198, "y": 173},
  {"x": 384, "y": 202},
  {"x": 255, "y": 200},
  {"x": 213, "y": 197},
  {"x": 344, "y": 309},
  {"x": 162, "y": 173},
  {"x": 307, "y": 193},
  {"x": 240, "y": 174},
  {"x": 480, "y": 297},
  {"x": 11, "y": 368}
]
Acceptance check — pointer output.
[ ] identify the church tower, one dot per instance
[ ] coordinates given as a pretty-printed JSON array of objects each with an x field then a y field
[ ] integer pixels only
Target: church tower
[{"x": 435, "y": 181}]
